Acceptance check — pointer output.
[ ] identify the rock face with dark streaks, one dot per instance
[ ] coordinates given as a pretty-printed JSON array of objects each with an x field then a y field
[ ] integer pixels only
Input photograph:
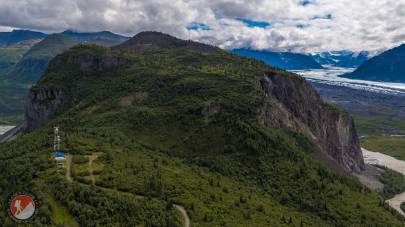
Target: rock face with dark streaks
[
  {"x": 295, "y": 104},
  {"x": 42, "y": 105}
]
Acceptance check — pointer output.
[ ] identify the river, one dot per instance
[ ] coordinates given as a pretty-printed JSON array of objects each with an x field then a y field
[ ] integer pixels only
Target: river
[
  {"x": 376, "y": 158},
  {"x": 329, "y": 75},
  {"x": 4, "y": 129}
]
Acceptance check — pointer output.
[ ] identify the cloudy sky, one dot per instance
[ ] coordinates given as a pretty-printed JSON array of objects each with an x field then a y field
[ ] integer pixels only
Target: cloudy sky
[{"x": 286, "y": 25}]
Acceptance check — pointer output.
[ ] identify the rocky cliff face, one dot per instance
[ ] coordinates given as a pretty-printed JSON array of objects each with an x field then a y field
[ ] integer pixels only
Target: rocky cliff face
[
  {"x": 42, "y": 105},
  {"x": 88, "y": 62},
  {"x": 295, "y": 104}
]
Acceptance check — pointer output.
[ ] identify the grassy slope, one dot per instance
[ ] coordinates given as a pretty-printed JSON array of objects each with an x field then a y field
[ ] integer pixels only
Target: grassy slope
[
  {"x": 377, "y": 133},
  {"x": 390, "y": 145},
  {"x": 159, "y": 149},
  {"x": 381, "y": 124}
]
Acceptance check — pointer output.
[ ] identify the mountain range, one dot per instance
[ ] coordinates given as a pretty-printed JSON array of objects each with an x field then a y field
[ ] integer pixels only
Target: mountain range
[
  {"x": 388, "y": 66},
  {"x": 27, "y": 65},
  {"x": 16, "y": 36},
  {"x": 158, "y": 121},
  {"x": 104, "y": 38},
  {"x": 34, "y": 62},
  {"x": 345, "y": 59},
  {"x": 283, "y": 60}
]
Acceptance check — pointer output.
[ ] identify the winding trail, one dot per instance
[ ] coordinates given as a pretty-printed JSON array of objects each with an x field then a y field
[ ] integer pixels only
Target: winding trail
[
  {"x": 184, "y": 213},
  {"x": 68, "y": 167},
  {"x": 91, "y": 159},
  {"x": 376, "y": 158}
]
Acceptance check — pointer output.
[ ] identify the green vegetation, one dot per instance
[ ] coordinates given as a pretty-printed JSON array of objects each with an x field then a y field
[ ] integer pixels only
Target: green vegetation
[
  {"x": 49, "y": 47},
  {"x": 31, "y": 66},
  {"x": 402, "y": 206},
  {"x": 11, "y": 120},
  {"x": 394, "y": 183},
  {"x": 60, "y": 214},
  {"x": 21, "y": 65},
  {"x": 383, "y": 124},
  {"x": 145, "y": 114},
  {"x": 10, "y": 56},
  {"x": 12, "y": 97},
  {"x": 12, "y": 103},
  {"x": 391, "y": 145}
]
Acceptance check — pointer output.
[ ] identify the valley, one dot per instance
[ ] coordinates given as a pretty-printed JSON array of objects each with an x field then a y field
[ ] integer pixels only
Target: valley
[
  {"x": 264, "y": 113},
  {"x": 377, "y": 107},
  {"x": 158, "y": 121}
]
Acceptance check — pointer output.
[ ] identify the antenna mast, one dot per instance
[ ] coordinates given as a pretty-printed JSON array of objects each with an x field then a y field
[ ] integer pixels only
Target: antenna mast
[{"x": 56, "y": 140}]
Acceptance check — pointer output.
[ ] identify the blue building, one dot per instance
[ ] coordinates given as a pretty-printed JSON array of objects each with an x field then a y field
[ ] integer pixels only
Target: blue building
[{"x": 59, "y": 155}]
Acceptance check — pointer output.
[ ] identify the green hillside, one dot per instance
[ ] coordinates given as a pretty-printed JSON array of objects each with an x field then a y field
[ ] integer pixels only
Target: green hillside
[
  {"x": 30, "y": 68},
  {"x": 21, "y": 66},
  {"x": 24, "y": 63},
  {"x": 10, "y": 55},
  {"x": 175, "y": 126},
  {"x": 12, "y": 96}
]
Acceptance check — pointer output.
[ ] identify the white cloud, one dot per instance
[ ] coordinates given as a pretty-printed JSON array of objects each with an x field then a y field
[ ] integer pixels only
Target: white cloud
[
  {"x": 354, "y": 25},
  {"x": 5, "y": 29}
]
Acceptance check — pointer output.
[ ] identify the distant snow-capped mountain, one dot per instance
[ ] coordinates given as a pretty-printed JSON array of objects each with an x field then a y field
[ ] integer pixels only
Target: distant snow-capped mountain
[
  {"x": 344, "y": 58},
  {"x": 283, "y": 60}
]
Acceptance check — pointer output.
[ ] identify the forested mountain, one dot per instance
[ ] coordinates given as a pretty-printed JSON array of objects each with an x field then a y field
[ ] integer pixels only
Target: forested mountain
[
  {"x": 10, "y": 55},
  {"x": 104, "y": 38},
  {"x": 167, "y": 121},
  {"x": 23, "y": 63},
  {"x": 389, "y": 66},
  {"x": 34, "y": 62},
  {"x": 283, "y": 60},
  {"x": 12, "y": 96}
]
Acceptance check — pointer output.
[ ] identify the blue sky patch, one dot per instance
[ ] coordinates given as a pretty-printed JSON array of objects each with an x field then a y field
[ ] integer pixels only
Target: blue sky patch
[
  {"x": 304, "y": 2},
  {"x": 326, "y": 17},
  {"x": 252, "y": 23},
  {"x": 301, "y": 25},
  {"x": 198, "y": 26}
]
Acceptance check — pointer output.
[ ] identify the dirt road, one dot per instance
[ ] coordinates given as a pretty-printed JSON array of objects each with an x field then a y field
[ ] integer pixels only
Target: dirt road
[
  {"x": 68, "y": 167},
  {"x": 91, "y": 159},
  {"x": 184, "y": 213}
]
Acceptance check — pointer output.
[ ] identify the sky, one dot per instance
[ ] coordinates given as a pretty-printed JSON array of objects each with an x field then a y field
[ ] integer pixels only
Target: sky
[{"x": 278, "y": 25}]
